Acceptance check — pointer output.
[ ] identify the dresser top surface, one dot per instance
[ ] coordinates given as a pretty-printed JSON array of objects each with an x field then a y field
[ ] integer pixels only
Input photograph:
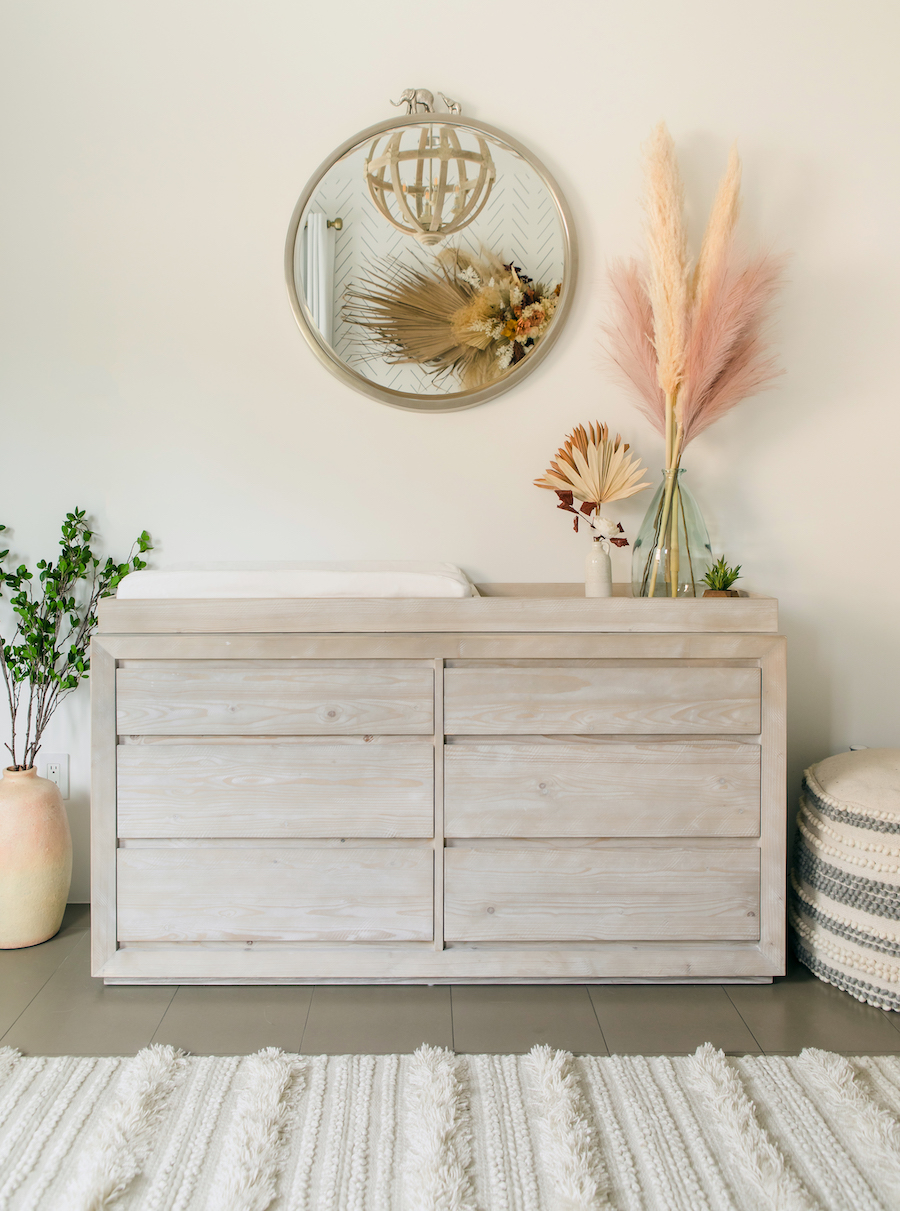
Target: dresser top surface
[{"x": 502, "y": 608}]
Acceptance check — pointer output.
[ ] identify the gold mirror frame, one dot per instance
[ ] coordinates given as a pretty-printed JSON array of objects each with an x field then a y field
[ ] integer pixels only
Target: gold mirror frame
[{"x": 451, "y": 401}]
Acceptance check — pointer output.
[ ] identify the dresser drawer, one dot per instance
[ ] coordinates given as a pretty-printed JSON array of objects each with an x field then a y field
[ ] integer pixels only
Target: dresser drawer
[
  {"x": 545, "y": 894},
  {"x": 275, "y": 698},
  {"x": 601, "y": 789},
  {"x": 275, "y": 894},
  {"x": 547, "y": 700},
  {"x": 276, "y": 790}
]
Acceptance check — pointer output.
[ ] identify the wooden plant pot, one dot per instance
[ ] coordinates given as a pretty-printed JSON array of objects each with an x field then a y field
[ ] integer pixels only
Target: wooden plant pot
[{"x": 721, "y": 593}]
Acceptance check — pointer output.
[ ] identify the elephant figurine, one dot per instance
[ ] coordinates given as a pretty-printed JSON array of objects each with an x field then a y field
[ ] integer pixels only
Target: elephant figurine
[
  {"x": 417, "y": 100},
  {"x": 453, "y": 106}
]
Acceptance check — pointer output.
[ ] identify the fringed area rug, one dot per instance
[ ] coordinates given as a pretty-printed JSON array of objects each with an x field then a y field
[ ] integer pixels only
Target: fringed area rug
[{"x": 435, "y": 1130}]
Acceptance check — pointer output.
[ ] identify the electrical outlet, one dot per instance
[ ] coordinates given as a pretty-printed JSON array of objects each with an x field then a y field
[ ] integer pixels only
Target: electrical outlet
[{"x": 56, "y": 769}]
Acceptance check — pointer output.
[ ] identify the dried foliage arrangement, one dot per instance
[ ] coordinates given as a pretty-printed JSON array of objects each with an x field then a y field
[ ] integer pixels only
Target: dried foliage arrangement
[
  {"x": 464, "y": 316},
  {"x": 596, "y": 470},
  {"x": 689, "y": 342}
]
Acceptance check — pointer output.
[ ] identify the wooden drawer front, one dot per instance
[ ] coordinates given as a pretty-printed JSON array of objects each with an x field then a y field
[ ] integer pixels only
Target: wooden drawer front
[
  {"x": 542, "y": 894},
  {"x": 701, "y": 788},
  {"x": 276, "y": 698},
  {"x": 276, "y": 790},
  {"x": 596, "y": 700},
  {"x": 275, "y": 894}
]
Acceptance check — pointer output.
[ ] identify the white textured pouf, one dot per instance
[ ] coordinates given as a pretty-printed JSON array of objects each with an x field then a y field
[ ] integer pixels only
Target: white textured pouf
[{"x": 845, "y": 882}]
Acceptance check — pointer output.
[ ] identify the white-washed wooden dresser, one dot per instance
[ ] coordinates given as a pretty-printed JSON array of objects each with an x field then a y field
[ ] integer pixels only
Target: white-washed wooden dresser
[{"x": 527, "y": 786}]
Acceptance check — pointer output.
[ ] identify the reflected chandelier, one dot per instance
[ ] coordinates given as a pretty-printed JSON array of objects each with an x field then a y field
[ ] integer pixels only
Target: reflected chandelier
[{"x": 431, "y": 190}]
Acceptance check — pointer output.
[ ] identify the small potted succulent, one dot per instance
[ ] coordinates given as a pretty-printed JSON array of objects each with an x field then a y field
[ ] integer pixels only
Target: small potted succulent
[{"x": 719, "y": 579}]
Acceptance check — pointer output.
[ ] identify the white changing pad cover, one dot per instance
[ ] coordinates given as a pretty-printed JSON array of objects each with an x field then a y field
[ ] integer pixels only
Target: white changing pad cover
[{"x": 373, "y": 578}]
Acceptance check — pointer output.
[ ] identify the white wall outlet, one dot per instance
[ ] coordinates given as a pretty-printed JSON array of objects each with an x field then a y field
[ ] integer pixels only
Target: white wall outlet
[{"x": 56, "y": 769}]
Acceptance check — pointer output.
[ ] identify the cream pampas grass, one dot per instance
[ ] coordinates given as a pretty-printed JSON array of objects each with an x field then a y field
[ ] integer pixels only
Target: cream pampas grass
[
  {"x": 689, "y": 343},
  {"x": 719, "y": 234},
  {"x": 667, "y": 281}
]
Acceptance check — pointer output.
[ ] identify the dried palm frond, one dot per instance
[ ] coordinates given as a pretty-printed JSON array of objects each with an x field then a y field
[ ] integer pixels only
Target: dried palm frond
[
  {"x": 593, "y": 468},
  {"x": 408, "y": 312},
  {"x": 457, "y": 314},
  {"x": 668, "y": 279}
]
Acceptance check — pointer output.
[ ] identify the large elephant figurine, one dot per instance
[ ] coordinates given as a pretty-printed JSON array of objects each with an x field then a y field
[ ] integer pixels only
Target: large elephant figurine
[{"x": 417, "y": 100}]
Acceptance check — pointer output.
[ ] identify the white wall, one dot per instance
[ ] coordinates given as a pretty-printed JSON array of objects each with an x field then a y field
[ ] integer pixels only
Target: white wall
[{"x": 151, "y": 369}]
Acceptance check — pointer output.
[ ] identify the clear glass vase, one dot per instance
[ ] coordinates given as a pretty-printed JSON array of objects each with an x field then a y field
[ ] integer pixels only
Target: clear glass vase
[{"x": 671, "y": 552}]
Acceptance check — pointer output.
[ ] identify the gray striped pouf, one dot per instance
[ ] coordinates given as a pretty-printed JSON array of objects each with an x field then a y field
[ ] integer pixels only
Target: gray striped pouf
[{"x": 845, "y": 882}]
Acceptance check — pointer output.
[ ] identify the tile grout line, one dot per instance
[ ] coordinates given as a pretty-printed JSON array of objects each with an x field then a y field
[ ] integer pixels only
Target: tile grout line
[
  {"x": 306, "y": 1019},
  {"x": 724, "y": 988},
  {"x": 890, "y": 1014},
  {"x": 156, "y": 1031},
  {"x": 312, "y": 993},
  {"x": 587, "y": 988},
  {"x": 25, "y": 1009}
]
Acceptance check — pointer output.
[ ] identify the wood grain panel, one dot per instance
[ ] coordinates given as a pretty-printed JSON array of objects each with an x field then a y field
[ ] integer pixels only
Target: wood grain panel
[
  {"x": 679, "y": 700},
  {"x": 468, "y": 963},
  {"x": 448, "y": 646},
  {"x": 274, "y": 698},
  {"x": 702, "y": 788},
  {"x": 103, "y": 805},
  {"x": 276, "y": 790},
  {"x": 595, "y": 895},
  {"x": 530, "y": 612},
  {"x": 773, "y": 823},
  {"x": 275, "y": 894}
]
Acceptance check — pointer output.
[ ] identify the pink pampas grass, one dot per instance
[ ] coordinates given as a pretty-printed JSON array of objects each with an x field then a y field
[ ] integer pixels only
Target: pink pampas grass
[
  {"x": 725, "y": 311},
  {"x": 631, "y": 345},
  {"x": 728, "y": 354}
]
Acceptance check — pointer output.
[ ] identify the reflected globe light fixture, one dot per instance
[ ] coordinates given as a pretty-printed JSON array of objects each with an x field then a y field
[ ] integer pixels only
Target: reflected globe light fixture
[{"x": 431, "y": 190}]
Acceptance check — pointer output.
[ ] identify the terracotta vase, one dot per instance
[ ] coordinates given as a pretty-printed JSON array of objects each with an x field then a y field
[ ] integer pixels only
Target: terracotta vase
[
  {"x": 721, "y": 593},
  {"x": 35, "y": 859}
]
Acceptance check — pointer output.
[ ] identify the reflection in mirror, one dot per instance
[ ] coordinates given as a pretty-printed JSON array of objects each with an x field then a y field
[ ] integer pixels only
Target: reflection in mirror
[{"x": 433, "y": 258}]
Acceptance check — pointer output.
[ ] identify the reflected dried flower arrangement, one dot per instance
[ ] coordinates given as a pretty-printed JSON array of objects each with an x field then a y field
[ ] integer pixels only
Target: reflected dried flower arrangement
[
  {"x": 472, "y": 317},
  {"x": 595, "y": 469}
]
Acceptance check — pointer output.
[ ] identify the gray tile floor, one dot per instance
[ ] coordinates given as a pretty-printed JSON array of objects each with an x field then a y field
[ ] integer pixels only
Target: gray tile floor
[{"x": 49, "y": 1005}]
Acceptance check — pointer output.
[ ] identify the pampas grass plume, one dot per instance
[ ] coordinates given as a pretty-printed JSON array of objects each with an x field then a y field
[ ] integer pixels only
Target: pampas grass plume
[
  {"x": 719, "y": 234},
  {"x": 697, "y": 339},
  {"x": 667, "y": 248}
]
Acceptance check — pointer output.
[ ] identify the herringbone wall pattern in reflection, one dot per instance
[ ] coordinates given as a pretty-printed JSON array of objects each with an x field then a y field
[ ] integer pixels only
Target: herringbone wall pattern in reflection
[{"x": 519, "y": 223}]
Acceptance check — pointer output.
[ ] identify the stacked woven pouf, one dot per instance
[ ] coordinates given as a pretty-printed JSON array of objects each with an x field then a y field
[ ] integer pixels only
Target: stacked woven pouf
[{"x": 845, "y": 882}]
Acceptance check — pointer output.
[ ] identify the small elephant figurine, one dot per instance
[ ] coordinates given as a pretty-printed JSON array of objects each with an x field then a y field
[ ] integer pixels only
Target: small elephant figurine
[
  {"x": 417, "y": 100},
  {"x": 453, "y": 106}
]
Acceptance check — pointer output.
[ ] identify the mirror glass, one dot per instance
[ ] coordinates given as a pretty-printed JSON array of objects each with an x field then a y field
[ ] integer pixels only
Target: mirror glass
[{"x": 430, "y": 262}]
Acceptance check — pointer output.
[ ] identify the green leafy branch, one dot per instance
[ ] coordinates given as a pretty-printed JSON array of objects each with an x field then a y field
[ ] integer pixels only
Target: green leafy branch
[{"x": 48, "y": 654}]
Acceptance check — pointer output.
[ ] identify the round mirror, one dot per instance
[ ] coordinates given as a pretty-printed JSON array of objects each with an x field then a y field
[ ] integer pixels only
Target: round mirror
[{"x": 430, "y": 261}]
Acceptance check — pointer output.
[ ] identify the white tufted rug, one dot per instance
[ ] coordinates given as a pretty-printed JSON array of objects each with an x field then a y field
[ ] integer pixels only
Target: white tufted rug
[{"x": 459, "y": 1133}]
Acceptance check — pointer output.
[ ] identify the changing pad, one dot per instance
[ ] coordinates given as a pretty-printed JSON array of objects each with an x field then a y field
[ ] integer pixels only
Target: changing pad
[{"x": 397, "y": 578}]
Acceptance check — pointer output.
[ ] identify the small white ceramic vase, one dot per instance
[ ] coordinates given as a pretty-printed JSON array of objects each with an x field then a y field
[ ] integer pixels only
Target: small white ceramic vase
[
  {"x": 598, "y": 570},
  {"x": 35, "y": 859}
]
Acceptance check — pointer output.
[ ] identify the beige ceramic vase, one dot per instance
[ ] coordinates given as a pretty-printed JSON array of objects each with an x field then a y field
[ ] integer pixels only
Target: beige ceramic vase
[{"x": 35, "y": 859}]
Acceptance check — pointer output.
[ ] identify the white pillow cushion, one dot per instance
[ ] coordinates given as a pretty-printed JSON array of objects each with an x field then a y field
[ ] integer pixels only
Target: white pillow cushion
[{"x": 389, "y": 578}]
